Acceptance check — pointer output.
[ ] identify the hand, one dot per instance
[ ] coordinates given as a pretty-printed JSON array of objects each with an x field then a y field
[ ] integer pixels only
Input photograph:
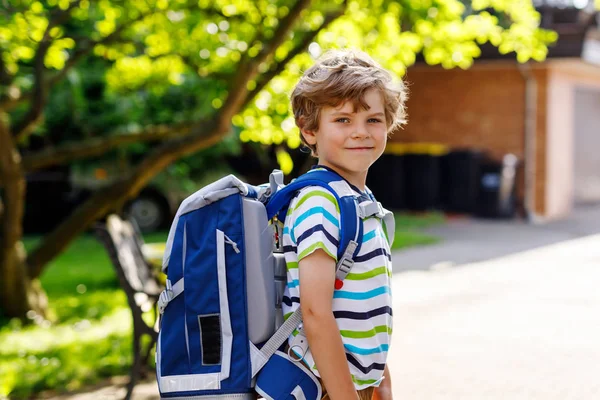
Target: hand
[
  {"x": 384, "y": 390},
  {"x": 383, "y": 393}
]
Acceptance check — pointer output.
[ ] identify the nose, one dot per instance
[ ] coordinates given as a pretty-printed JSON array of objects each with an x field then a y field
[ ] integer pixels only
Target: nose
[{"x": 361, "y": 131}]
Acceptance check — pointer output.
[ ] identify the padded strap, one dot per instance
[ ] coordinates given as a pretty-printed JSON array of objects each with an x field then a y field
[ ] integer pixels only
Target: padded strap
[{"x": 350, "y": 222}]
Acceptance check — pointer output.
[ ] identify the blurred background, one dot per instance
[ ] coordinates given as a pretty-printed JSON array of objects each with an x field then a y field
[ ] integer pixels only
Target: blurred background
[{"x": 127, "y": 107}]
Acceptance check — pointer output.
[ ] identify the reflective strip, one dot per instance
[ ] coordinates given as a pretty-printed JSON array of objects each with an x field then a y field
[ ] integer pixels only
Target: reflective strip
[
  {"x": 312, "y": 377},
  {"x": 264, "y": 394},
  {"x": 178, "y": 289},
  {"x": 298, "y": 393},
  {"x": 227, "y": 396},
  {"x": 226, "y": 331},
  {"x": 185, "y": 383},
  {"x": 158, "y": 360}
]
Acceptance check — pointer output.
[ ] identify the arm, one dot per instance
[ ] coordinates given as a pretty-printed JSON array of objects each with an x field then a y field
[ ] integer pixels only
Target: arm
[
  {"x": 384, "y": 391},
  {"x": 317, "y": 278}
]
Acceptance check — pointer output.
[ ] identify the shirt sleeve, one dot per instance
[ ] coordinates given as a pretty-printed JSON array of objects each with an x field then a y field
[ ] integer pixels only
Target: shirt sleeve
[{"x": 313, "y": 222}]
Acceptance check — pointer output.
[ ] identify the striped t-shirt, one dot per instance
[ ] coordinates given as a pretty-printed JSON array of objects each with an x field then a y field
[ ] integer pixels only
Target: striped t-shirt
[{"x": 362, "y": 307}]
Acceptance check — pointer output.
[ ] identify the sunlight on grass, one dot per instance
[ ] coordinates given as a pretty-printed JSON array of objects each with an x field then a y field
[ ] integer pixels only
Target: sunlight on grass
[
  {"x": 91, "y": 336},
  {"x": 32, "y": 339},
  {"x": 69, "y": 356},
  {"x": 408, "y": 228}
]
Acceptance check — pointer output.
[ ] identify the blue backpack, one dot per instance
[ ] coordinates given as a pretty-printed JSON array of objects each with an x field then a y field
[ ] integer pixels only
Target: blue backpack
[{"x": 222, "y": 330}]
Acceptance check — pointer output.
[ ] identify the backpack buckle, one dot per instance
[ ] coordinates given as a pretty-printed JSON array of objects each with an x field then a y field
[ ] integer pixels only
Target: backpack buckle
[
  {"x": 373, "y": 208},
  {"x": 346, "y": 263},
  {"x": 163, "y": 300},
  {"x": 170, "y": 292}
]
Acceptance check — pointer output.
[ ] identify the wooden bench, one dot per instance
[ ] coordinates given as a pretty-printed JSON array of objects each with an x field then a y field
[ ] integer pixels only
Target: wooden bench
[{"x": 140, "y": 282}]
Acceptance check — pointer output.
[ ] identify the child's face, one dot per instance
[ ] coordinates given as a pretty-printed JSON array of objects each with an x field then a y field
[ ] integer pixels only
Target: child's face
[{"x": 349, "y": 141}]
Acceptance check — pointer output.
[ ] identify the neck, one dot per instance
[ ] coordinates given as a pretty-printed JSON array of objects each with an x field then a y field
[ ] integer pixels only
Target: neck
[{"x": 357, "y": 179}]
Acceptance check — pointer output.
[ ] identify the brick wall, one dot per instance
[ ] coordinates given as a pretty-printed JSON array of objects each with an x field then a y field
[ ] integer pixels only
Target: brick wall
[{"x": 481, "y": 108}]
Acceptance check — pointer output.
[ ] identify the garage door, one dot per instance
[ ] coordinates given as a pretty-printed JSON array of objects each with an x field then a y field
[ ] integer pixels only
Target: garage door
[{"x": 587, "y": 146}]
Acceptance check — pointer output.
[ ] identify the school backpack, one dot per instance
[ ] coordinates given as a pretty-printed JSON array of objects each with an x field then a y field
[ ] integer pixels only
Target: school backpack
[{"x": 222, "y": 330}]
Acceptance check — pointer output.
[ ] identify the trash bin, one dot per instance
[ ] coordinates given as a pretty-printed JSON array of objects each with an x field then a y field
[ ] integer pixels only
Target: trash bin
[
  {"x": 497, "y": 188},
  {"x": 459, "y": 180},
  {"x": 386, "y": 179},
  {"x": 422, "y": 176}
]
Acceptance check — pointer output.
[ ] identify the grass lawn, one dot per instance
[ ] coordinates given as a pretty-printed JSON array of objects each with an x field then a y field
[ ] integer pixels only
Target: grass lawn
[
  {"x": 91, "y": 336},
  {"x": 408, "y": 228}
]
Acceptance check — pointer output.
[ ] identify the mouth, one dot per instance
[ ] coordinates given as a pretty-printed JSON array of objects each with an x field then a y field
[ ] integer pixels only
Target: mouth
[{"x": 360, "y": 148}]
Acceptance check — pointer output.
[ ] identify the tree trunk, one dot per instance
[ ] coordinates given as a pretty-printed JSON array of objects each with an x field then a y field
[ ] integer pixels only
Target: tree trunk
[{"x": 18, "y": 293}]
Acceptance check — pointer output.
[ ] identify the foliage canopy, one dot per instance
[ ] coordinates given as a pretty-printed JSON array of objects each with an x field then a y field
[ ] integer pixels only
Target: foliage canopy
[{"x": 190, "y": 50}]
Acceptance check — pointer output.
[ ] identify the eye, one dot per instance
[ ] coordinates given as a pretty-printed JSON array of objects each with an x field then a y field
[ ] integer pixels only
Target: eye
[
  {"x": 374, "y": 120},
  {"x": 343, "y": 120}
]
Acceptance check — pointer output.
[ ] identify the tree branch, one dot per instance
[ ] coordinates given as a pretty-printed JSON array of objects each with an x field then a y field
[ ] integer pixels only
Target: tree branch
[
  {"x": 248, "y": 68},
  {"x": 206, "y": 134},
  {"x": 96, "y": 146},
  {"x": 39, "y": 95},
  {"x": 277, "y": 67},
  {"x": 213, "y": 12},
  {"x": 5, "y": 77}
]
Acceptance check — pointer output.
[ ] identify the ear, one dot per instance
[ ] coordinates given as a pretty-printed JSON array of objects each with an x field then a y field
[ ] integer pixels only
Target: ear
[{"x": 309, "y": 135}]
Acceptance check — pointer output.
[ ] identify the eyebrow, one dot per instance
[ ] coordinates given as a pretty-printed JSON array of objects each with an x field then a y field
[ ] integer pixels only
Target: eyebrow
[{"x": 341, "y": 113}]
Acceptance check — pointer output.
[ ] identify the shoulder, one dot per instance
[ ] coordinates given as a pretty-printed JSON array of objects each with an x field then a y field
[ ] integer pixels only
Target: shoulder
[{"x": 315, "y": 198}]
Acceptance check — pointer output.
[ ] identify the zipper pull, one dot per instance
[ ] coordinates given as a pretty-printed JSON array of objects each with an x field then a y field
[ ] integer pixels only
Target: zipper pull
[{"x": 232, "y": 243}]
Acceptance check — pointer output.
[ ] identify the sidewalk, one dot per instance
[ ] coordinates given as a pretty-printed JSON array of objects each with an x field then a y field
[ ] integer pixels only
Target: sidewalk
[
  {"x": 522, "y": 326},
  {"x": 472, "y": 240}
]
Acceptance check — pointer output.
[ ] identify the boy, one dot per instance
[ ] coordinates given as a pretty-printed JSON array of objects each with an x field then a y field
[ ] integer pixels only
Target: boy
[{"x": 345, "y": 106}]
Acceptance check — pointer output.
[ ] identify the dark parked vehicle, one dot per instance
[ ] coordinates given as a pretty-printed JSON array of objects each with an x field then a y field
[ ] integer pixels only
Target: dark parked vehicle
[{"x": 53, "y": 194}]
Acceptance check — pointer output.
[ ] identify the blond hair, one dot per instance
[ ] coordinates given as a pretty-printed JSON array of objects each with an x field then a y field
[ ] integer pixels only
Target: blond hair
[{"x": 340, "y": 76}]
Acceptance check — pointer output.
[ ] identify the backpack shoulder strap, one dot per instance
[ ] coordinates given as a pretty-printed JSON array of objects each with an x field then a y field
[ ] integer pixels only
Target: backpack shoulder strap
[{"x": 351, "y": 227}]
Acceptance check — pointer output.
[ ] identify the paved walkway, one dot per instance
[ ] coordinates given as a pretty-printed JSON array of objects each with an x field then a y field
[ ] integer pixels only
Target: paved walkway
[
  {"x": 524, "y": 326},
  {"x": 512, "y": 315},
  {"x": 472, "y": 240}
]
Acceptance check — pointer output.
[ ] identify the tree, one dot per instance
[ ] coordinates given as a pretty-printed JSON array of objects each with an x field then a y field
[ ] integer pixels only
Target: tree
[{"x": 242, "y": 55}]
